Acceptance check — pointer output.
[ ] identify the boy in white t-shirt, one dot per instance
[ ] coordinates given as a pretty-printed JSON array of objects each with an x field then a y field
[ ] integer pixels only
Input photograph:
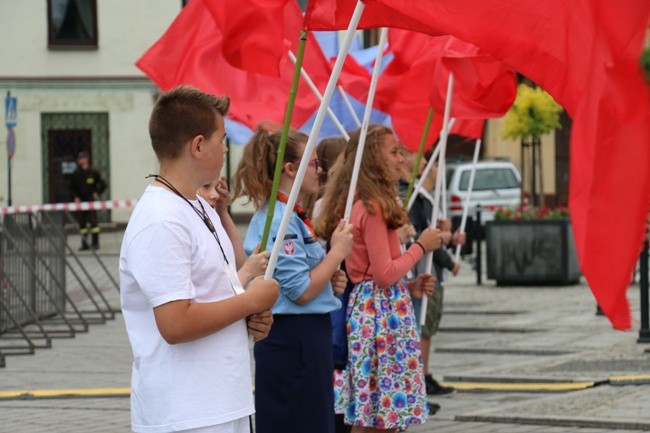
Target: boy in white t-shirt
[{"x": 186, "y": 314}]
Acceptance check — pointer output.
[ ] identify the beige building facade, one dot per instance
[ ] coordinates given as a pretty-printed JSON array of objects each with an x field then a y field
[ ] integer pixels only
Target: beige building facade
[{"x": 72, "y": 98}]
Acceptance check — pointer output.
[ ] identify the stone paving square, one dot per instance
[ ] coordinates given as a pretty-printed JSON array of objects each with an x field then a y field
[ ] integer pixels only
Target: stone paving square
[{"x": 489, "y": 335}]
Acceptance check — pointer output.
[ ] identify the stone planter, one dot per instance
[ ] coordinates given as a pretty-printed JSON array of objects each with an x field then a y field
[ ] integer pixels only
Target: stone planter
[{"x": 531, "y": 252}]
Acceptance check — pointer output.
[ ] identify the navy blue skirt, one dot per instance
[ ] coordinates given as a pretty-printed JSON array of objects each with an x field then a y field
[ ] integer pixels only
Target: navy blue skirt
[{"x": 293, "y": 376}]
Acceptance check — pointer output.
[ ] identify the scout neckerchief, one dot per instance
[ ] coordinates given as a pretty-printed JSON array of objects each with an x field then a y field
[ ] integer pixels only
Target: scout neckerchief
[{"x": 302, "y": 213}]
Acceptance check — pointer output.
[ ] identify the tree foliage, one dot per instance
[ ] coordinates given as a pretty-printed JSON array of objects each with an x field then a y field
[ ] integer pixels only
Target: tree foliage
[{"x": 533, "y": 114}]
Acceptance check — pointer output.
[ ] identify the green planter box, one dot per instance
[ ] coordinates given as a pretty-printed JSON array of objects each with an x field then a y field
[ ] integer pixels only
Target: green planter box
[{"x": 534, "y": 252}]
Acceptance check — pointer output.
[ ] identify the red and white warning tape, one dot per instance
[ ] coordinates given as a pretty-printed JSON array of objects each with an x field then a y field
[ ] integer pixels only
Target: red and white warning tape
[{"x": 50, "y": 207}]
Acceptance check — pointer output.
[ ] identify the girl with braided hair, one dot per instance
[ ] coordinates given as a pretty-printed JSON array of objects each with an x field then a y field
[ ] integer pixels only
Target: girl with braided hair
[{"x": 293, "y": 367}]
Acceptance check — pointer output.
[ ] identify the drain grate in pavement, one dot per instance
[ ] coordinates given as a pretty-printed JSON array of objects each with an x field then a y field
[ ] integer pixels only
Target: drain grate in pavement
[
  {"x": 506, "y": 379},
  {"x": 492, "y": 351},
  {"x": 475, "y": 329},
  {"x": 609, "y": 365},
  {"x": 483, "y": 312}
]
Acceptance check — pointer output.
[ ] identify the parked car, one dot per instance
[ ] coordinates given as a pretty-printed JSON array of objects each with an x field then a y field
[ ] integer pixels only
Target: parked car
[{"x": 497, "y": 183}]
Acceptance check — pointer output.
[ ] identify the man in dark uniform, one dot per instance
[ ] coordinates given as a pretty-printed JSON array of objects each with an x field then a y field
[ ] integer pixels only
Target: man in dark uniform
[{"x": 87, "y": 184}]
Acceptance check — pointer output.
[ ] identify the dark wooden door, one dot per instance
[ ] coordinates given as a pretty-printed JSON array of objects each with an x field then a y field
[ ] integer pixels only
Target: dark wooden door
[{"x": 63, "y": 146}]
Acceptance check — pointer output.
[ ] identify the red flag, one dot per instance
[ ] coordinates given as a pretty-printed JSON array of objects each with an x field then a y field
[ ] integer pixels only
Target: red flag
[
  {"x": 416, "y": 79},
  {"x": 395, "y": 96},
  {"x": 614, "y": 136},
  {"x": 471, "y": 128},
  {"x": 409, "y": 128},
  {"x": 354, "y": 78},
  {"x": 484, "y": 87},
  {"x": 336, "y": 15},
  {"x": 191, "y": 51},
  {"x": 252, "y": 38},
  {"x": 409, "y": 110},
  {"x": 585, "y": 53}
]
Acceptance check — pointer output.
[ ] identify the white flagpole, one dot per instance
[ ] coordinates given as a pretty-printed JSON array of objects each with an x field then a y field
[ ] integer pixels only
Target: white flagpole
[
  {"x": 463, "y": 220},
  {"x": 349, "y": 105},
  {"x": 383, "y": 36},
  {"x": 443, "y": 190},
  {"x": 316, "y": 92},
  {"x": 436, "y": 197},
  {"x": 313, "y": 137},
  {"x": 427, "y": 169}
]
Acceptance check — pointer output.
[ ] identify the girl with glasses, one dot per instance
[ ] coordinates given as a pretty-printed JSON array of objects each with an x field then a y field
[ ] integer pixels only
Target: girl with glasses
[{"x": 293, "y": 366}]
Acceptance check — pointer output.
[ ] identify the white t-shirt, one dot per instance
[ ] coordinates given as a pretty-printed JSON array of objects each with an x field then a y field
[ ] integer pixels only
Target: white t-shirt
[{"x": 168, "y": 254}]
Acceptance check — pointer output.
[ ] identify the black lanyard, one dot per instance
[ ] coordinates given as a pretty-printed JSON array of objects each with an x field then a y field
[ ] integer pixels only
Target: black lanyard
[{"x": 201, "y": 213}]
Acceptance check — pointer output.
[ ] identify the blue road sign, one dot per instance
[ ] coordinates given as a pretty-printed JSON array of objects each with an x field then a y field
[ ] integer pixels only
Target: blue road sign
[{"x": 11, "y": 111}]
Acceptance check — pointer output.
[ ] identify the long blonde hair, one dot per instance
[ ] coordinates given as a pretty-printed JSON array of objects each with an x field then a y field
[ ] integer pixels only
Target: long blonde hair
[
  {"x": 375, "y": 186},
  {"x": 254, "y": 175}
]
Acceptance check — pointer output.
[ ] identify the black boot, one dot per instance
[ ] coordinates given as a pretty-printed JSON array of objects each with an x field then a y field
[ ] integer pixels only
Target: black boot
[
  {"x": 95, "y": 237},
  {"x": 84, "y": 243}
]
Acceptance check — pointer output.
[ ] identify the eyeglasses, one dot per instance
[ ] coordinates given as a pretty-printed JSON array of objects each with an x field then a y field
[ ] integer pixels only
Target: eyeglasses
[{"x": 312, "y": 163}]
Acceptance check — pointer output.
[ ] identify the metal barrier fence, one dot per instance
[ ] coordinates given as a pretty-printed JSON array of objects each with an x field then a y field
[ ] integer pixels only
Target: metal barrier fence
[
  {"x": 34, "y": 293},
  {"x": 37, "y": 270}
]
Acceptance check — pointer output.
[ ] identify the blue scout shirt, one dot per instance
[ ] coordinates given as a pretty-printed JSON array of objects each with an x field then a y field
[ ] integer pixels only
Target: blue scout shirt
[{"x": 300, "y": 252}]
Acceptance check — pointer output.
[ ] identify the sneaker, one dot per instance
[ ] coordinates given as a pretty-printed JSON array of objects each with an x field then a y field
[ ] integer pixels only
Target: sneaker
[{"x": 434, "y": 388}]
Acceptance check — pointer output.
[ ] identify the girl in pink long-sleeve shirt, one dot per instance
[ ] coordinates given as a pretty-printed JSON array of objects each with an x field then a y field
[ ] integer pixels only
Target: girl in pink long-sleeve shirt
[{"x": 382, "y": 387}]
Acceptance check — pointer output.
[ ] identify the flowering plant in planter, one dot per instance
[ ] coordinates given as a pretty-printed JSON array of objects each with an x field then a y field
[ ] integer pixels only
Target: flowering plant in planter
[
  {"x": 531, "y": 245},
  {"x": 526, "y": 212}
]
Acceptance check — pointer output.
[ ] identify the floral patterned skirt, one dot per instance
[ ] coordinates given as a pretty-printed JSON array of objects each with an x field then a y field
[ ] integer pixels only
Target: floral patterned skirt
[{"x": 382, "y": 385}]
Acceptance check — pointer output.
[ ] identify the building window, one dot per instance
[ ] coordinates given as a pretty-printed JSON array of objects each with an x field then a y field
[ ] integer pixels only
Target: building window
[{"x": 72, "y": 23}]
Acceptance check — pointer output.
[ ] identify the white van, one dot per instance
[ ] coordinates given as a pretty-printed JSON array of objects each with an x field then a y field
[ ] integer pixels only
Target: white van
[{"x": 496, "y": 184}]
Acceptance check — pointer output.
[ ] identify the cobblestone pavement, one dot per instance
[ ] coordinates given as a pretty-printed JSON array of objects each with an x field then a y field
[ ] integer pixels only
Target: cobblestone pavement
[{"x": 492, "y": 341}]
